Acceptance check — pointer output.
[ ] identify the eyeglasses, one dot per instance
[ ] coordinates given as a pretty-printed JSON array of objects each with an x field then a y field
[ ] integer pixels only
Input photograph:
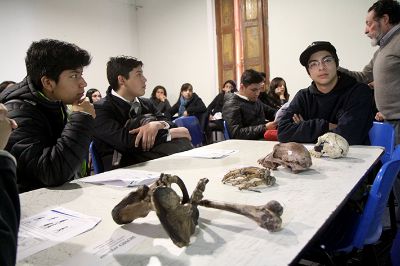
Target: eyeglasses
[{"x": 326, "y": 61}]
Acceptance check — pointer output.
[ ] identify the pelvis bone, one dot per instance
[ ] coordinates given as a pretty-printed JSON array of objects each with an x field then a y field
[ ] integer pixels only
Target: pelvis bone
[{"x": 179, "y": 216}]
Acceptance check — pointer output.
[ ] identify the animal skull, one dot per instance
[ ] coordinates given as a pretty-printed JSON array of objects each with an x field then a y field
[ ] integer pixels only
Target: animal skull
[
  {"x": 291, "y": 155},
  {"x": 332, "y": 145}
]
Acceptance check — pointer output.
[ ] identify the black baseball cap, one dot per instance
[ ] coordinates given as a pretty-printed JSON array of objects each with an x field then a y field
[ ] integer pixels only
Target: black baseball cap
[{"x": 315, "y": 47}]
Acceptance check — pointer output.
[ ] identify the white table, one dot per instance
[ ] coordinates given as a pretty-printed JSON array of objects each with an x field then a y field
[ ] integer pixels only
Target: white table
[{"x": 222, "y": 238}]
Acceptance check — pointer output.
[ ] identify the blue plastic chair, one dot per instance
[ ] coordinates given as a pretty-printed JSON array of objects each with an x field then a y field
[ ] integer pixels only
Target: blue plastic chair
[
  {"x": 382, "y": 134},
  {"x": 96, "y": 160},
  {"x": 226, "y": 131},
  {"x": 194, "y": 127},
  {"x": 368, "y": 228},
  {"x": 396, "y": 153},
  {"x": 395, "y": 250}
]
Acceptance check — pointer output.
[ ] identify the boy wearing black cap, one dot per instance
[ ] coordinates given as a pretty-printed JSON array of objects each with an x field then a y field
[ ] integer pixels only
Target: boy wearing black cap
[{"x": 334, "y": 102}]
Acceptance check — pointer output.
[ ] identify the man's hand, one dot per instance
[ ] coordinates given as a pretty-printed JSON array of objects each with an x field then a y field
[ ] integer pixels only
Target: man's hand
[
  {"x": 6, "y": 125},
  {"x": 147, "y": 134},
  {"x": 185, "y": 113},
  {"x": 84, "y": 106},
  {"x": 180, "y": 132},
  {"x": 379, "y": 116},
  {"x": 371, "y": 85},
  {"x": 297, "y": 118},
  {"x": 332, "y": 126},
  {"x": 270, "y": 125}
]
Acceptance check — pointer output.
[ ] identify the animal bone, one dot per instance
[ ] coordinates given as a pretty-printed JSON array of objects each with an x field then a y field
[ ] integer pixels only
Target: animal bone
[
  {"x": 179, "y": 217},
  {"x": 248, "y": 177},
  {"x": 267, "y": 216},
  {"x": 179, "y": 220},
  {"x": 291, "y": 155},
  {"x": 138, "y": 203},
  {"x": 332, "y": 145}
]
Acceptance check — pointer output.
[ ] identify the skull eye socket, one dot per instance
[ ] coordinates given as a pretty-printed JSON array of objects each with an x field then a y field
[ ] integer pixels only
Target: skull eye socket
[{"x": 318, "y": 148}]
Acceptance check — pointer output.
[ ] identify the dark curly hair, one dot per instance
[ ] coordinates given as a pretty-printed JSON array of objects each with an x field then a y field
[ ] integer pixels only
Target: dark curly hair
[{"x": 49, "y": 58}]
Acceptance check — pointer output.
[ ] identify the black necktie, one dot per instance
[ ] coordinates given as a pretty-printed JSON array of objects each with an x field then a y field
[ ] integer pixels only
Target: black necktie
[{"x": 135, "y": 110}]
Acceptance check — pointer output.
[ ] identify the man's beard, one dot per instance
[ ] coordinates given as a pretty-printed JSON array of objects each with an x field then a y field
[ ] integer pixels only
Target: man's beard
[{"x": 375, "y": 40}]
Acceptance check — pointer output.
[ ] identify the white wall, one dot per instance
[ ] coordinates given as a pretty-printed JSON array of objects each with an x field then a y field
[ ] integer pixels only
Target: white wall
[
  {"x": 177, "y": 45},
  {"x": 176, "y": 38},
  {"x": 294, "y": 24},
  {"x": 103, "y": 27}
]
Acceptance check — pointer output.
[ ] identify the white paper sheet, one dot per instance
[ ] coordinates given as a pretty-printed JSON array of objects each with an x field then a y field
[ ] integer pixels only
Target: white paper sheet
[
  {"x": 207, "y": 153},
  {"x": 104, "y": 252},
  {"x": 123, "y": 178},
  {"x": 49, "y": 228}
]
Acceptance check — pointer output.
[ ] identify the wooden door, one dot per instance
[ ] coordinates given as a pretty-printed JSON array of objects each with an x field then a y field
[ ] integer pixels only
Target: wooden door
[
  {"x": 247, "y": 46},
  {"x": 225, "y": 40}
]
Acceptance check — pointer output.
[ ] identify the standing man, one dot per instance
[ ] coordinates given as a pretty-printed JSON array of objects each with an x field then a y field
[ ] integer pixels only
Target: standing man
[
  {"x": 244, "y": 113},
  {"x": 334, "y": 102},
  {"x": 49, "y": 144},
  {"x": 129, "y": 129},
  {"x": 383, "y": 28}
]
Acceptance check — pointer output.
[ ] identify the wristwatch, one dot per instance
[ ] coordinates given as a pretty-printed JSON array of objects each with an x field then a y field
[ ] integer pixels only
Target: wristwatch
[{"x": 166, "y": 125}]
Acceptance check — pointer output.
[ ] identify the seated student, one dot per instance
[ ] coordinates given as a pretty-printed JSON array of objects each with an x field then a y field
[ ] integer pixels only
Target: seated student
[
  {"x": 334, "y": 102},
  {"x": 263, "y": 96},
  {"x": 214, "y": 109},
  {"x": 277, "y": 93},
  {"x": 189, "y": 103},
  {"x": 5, "y": 84},
  {"x": 159, "y": 99},
  {"x": 49, "y": 145},
  {"x": 243, "y": 112},
  {"x": 128, "y": 129},
  {"x": 94, "y": 95},
  {"x": 9, "y": 207}
]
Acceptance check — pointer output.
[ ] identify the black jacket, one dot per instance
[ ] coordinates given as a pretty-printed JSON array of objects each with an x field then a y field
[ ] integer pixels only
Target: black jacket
[
  {"x": 216, "y": 105},
  {"x": 194, "y": 107},
  {"x": 245, "y": 119},
  {"x": 349, "y": 105},
  {"x": 9, "y": 209},
  {"x": 272, "y": 102},
  {"x": 49, "y": 145},
  {"x": 112, "y": 126},
  {"x": 162, "y": 107}
]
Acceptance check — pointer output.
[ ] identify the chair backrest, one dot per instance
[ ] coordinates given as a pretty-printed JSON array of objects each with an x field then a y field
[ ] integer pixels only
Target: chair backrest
[
  {"x": 369, "y": 227},
  {"x": 96, "y": 160},
  {"x": 226, "y": 131},
  {"x": 382, "y": 134},
  {"x": 194, "y": 127},
  {"x": 396, "y": 153}
]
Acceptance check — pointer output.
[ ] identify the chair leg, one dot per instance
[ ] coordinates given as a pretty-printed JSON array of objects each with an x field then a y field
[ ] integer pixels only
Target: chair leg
[
  {"x": 392, "y": 213},
  {"x": 369, "y": 256}
]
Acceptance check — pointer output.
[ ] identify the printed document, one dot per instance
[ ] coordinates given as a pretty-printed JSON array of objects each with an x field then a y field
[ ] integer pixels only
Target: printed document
[{"x": 49, "y": 228}]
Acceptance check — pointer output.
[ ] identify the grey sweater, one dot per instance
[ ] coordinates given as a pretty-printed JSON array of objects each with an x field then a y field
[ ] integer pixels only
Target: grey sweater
[{"x": 384, "y": 70}]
